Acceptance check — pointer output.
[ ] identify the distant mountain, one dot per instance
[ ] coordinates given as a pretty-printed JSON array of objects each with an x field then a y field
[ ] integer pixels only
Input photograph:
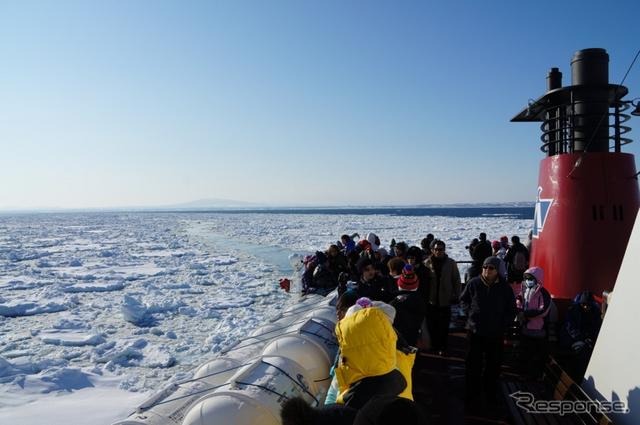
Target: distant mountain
[{"x": 213, "y": 203}]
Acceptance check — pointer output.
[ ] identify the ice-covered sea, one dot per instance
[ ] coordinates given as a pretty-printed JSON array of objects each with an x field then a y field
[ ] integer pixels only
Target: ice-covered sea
[{"x": 97, "y": 310}]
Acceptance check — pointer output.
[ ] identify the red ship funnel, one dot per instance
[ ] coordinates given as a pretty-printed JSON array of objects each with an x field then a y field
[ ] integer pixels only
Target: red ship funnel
[
  {"x": 583, "y": 218},
  {"x": 588, "y": 194}
]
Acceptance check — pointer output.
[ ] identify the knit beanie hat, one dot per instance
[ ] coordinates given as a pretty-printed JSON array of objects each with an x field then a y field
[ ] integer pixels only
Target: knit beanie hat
[
  {"x": 492, "y": 261},
  {"x": 402, "y": 246},
  {"x": 408, "y": 281},
  {"x": 415, "y": 252},
  {"x": 364, "y": 244},
  {"x": 362, "y": 263},
  {"x": 321, "y": 257}
]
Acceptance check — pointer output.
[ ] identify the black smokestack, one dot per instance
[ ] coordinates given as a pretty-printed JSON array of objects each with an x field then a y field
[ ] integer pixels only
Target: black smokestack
[{"x": 590, "y": 79}]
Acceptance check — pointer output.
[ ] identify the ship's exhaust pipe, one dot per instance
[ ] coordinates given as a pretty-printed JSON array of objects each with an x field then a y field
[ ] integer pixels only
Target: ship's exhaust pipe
[{"x": 588, "y": 193}]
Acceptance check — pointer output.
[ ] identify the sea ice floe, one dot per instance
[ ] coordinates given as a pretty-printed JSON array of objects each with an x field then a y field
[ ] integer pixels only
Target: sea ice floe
[
  {"x": 70, "y": 338},
  {"x": 164, "y": 304},
  {"x": 66, "y": 379},
  {"x": 17, "y": 308},
  {"x": 71, "y": 323},
  {"x": 19, "y": 285},
  {"x": 141, "y": 314},
  {"x": 136, "y": 312},
  {"x": 94, "y": 287},
  {"x": 122, "y": 352},
  {"x": 138, "y": 352},
  {"x": 16, "y": 256},
  {"x": 111, "y": 275},
  {"x": 12, "y": 354},
  {"x": 43, "y": 263},
  {"x": 224, "y": 261},
  {"x": 7, "y": 369},
  {"x": 233, "y": 303}
]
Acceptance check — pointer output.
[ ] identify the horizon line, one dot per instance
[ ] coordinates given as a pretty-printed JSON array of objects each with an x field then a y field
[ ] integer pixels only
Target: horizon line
[{"x": 513, "y": 204}]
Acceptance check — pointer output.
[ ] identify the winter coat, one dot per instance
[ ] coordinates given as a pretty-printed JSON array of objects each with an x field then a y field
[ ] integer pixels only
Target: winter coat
[
  {"x": 367, "y": 363},
  {"x": 378, "y": 289},
  {"x": 502, "y": 269},
  {"x": 307, "y": 278},
  {"x": 481, "y": 251},
  {"x": 423, "y": 274},
  {"x": 535, "y": 304},
  {"x": 515, "y": 275},
  {"x": 581, "y": 325},
  {"x": 444, "y": 286},
  {"x": 490, "y": 308},
  {"x": 323, "y": 280},
  {"x": 338, "y": 264},
  {"x": 410, "y": 311}
]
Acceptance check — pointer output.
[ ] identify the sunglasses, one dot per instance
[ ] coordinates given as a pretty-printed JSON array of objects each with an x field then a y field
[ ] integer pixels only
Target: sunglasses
[{"x": 489, "y": 267}]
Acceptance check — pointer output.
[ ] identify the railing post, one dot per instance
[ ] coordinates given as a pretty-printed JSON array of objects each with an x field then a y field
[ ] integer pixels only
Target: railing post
[{"x": 616, "y": 128}]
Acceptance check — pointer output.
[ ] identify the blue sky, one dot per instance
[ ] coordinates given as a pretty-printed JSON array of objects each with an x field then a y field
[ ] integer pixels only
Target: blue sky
[{"x": 139, "y": 103}]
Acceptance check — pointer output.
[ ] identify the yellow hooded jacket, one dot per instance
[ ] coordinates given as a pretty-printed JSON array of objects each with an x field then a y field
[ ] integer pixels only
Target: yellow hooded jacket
[{"x": 367, "y": 348}]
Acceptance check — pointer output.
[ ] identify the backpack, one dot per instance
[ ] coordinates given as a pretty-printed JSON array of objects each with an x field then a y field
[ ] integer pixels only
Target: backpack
[{"x": 519, "y": 262}]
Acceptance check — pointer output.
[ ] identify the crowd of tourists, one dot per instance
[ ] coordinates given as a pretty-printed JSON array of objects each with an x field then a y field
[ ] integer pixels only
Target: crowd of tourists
[{"x": 392, "y": 301}]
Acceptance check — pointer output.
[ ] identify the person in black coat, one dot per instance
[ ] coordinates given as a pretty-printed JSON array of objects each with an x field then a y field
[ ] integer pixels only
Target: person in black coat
[
  {"x": 415, "y": 256},
  {"x": 337, "y": 261},
  {"x": 517, "y": 260},
  {"x": 579, "y": 332},
  {"x": 372, "y": 285},
  {"x": 409, "y": 305},
  {"x": 379, "y": 410},
  {"x": 474, "y": 269},
  {"x": 296, "y": 411},
  {"x": 491, "y": 308},
  {"x": 481, "y": 251},
  {"x": 323, "y": 281}
]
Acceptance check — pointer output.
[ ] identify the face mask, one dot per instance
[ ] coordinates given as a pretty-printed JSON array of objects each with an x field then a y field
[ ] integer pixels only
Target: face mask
[{"x": 530, "y": 283}]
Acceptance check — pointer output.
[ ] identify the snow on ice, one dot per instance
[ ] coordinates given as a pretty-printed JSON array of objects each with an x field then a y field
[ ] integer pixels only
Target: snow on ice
[{"x": 100, "y": 309}]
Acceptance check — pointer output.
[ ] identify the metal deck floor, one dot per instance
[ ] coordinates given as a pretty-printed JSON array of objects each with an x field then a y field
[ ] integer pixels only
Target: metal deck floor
[{"x": 439, "y": 387}]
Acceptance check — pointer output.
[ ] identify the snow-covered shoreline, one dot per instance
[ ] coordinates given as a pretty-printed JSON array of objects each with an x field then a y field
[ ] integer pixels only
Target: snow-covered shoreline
[{"x": 132, "y": 301}]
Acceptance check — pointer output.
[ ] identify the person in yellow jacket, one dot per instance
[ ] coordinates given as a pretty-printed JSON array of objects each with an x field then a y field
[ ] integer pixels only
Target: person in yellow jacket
[{"x": 370, "y": 363}]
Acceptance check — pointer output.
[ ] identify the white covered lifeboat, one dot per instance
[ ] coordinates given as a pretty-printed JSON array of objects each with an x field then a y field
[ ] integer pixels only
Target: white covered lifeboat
[{"x": 288, "y": 357}]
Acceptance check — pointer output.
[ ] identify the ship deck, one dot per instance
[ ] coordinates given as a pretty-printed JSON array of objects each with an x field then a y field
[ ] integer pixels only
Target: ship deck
[
  {"x": 439, "y": 387},
  {"x": 439, "y": 381}
]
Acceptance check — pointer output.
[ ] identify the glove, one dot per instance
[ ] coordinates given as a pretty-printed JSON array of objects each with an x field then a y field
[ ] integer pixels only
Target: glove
[{"x": 578, "y": 346}]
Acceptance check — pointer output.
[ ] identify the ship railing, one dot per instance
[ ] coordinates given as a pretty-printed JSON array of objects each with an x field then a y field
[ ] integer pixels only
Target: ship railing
[
  {"x": 557, "y": 399},
  {"x": 562, "y": 123}
]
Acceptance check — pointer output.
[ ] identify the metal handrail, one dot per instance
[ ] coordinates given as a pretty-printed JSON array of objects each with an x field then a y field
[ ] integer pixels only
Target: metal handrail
[{"x": 559, "y": 128}]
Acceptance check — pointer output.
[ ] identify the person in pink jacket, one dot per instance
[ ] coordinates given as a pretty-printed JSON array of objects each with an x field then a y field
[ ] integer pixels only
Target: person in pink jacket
[{"x": 533, "y": 305}]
